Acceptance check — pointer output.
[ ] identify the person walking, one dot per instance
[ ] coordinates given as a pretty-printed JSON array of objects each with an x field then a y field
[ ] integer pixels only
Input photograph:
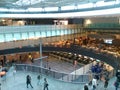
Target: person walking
[
  {"x": 86, "y": 87},
  {"x": 106, "y": 84},
  {"x": 38, "y": 78},
  {"x": 28, "y": 81},
  {"x": 45, "y": 84},
  {"x": 116, "y": 84}
]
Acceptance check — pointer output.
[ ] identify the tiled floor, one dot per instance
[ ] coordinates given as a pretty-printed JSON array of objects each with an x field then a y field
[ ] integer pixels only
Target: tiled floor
[
  {"x": 18, "y": 82},
  {"x": 58, "y": 65}
]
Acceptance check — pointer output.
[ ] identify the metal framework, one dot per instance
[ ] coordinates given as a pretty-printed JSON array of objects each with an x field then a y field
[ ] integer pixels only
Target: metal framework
[{"x": 40, "y": 3}]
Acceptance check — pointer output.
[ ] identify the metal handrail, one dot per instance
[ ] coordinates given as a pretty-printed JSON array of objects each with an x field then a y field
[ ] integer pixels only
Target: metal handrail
[{"x": 66, "y": 77}]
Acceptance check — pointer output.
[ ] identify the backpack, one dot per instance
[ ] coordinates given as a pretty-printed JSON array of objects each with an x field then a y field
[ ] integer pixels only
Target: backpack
[
  {"x": 38, "y": 77},
  {"x": 90, "y": 83},
  {"x": 116, "y": 84},
  {"x": 47, "y": 84}
]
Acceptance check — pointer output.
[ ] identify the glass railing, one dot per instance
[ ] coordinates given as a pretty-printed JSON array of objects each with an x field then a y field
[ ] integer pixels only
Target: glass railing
[
  {"x": 13, "y": 33},
  {"x": 66, "y": 77},
  {"x": 77, "y": 76},
  {"x": 103, "y": 25}
]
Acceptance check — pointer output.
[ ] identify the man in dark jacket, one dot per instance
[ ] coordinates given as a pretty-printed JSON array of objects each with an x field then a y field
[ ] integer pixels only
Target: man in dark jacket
[
  {"x": 118, "y": 75},
  {"x": 28, "y": 81}
]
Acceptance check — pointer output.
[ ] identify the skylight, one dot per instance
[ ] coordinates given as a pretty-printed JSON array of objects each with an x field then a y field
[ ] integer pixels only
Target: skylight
[{"x": 27, "y": 2}]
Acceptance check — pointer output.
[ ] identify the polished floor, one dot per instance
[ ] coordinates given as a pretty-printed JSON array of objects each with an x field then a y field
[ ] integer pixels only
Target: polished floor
[{"x": 17, "y": 81}]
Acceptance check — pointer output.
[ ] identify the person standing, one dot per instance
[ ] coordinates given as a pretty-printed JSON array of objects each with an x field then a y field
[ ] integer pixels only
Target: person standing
[
  {"x": 28, "y": 81},
  {"x": 118, "y": 75},
  {"x": 45, "y": 84},
  {"x": 14, "y": 73},
  {"x": 0, "y": 86},
  {"x": 94, "y": 83},
  {"x": 49, "y": 70}
]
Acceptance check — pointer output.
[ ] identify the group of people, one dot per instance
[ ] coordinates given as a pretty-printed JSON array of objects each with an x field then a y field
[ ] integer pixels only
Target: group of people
[
  {"x": 94, "y": 83},
  {"x": 106, "y": 82},
  {"x": 117, "y": 82},
  {"x": 28, "y": 82}
]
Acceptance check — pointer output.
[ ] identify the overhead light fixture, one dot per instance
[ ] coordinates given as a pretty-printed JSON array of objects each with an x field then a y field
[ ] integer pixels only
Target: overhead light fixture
[{"x": 3, "y": 20}]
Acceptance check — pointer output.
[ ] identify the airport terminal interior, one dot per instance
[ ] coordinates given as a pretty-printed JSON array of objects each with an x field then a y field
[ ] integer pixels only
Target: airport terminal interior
[{"x": 59, "y": 44}]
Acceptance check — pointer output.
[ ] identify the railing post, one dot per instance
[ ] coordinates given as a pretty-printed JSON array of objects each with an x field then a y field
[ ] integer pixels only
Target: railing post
[
  {"x": 41, "y": 54},
  {"x": 68, "y": 77},
  {"x": 54, "y": 74},
  {"x": 62, "y": 76}
]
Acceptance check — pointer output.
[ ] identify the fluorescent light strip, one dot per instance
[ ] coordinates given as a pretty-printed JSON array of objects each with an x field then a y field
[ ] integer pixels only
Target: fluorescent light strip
[
  {"x": 88, "y": 5},
  {"x": 65, "y": 15},
  {"x": 68, "y": 8},
  {"x": 51, "y": 9},
  {"x": 102, "y": 3}
]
